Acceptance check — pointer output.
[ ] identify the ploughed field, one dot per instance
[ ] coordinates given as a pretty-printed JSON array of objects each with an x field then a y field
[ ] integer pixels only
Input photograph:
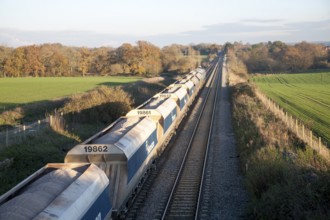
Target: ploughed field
[
  {"x": 306, "y": 96},
  {"x": 16, "y": 91}
]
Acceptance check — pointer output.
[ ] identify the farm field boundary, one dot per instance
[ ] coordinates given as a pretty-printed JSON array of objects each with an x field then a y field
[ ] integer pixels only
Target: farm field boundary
[
  {"x": 23, "y": 132},
  {"x": 306, "y": 96},
  {"x": 296, "y": 126}
]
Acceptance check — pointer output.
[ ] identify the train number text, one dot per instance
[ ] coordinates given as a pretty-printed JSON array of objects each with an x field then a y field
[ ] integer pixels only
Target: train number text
[{"x": 94, "y": 149}]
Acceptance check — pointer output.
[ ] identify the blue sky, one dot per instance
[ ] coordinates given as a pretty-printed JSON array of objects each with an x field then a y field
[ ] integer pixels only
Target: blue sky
[{"x": 95, "y": 23}]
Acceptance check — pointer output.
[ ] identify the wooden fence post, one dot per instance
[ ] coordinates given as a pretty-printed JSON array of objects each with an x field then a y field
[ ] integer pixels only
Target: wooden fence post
[
  {"x": 303, "y": 131},
  {"x": 290, "y": 121},
  {"x": 297, "y": 126},
  {"x": 294, "y": 125}
]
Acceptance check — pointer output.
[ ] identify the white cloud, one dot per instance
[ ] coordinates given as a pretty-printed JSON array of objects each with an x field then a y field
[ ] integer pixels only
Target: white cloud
[{"x": 252, "y": 31}]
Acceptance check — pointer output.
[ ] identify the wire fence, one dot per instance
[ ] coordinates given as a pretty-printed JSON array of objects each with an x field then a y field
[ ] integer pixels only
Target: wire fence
[
  {"x": 20, "y": 133},
  {"x": 296, "y": 126}
]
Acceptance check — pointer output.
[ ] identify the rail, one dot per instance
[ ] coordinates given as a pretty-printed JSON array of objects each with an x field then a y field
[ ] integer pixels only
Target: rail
[{"x": 183, "y": 201}]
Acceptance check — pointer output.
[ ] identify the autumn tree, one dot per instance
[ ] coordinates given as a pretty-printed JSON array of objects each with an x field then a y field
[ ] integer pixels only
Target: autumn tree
[
  {"x": 143, "y": 59},
  {"x": 186, "y": 64},
  {"x": 228, "y": 47},
  {"x": 170, "y": 57},
  {"x": 59, "y": 64},
  {"x": 4, "y": 54},
  {"x": 149, "y": 58},
  {"x": 116, "y": 68},
  {"x": 73, "y": 56},
  {"x": 316, "y": 55},
  {"x": 259, "y": 59},
  {"x": 55, "y": 58},
  {"x": 100, "y": 61},
  {"x": 114, "y": 61},
  {"x": 207, "y": 49},
  {"x": 13, "y": 65},
  {"x": 125, "y": 56},
  {"x": 84, "y": 61},
  {"x": 277, "y": 56},
  {"x": 293, "y": 59},
  {"x": 178, "y": 58},
  {"x": 303, "y": 56},
  {"x": 33, "y": 65}
]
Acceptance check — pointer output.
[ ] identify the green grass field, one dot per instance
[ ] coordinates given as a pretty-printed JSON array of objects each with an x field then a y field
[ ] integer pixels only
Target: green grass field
[
  {"x": 306, "y": 96},
  {"x": 16, "y": 91}
]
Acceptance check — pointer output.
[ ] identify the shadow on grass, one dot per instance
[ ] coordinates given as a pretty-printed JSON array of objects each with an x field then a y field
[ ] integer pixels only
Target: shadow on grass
[{"x": 112, "y": 84}]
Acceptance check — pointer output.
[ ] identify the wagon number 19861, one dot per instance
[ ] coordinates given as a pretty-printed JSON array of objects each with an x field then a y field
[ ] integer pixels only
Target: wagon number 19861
[{"x": 89, "y": 149}]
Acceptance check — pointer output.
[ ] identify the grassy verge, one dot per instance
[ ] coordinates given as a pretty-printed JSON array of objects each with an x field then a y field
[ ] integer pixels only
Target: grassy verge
[{"x": 285, "y": 178}]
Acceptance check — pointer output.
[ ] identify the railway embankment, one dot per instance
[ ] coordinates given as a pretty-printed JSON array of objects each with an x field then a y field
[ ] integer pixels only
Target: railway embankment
[{"x": 285, "y": 178}]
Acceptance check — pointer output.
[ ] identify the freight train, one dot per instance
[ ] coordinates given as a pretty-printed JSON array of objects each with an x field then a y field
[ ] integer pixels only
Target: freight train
[{"x": 100, "y": 177}]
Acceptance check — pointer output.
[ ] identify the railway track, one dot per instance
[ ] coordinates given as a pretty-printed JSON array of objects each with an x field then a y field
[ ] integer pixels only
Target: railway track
[{"x": 181, "y": 201}]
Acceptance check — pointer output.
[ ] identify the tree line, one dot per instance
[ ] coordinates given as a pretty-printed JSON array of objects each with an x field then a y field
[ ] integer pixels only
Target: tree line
[
  {"x": 277, "y": 56},
  {"x": 143, "y": 59}
]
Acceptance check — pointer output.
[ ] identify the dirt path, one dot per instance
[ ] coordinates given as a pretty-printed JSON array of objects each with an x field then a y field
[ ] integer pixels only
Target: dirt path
[{"x": 229, "y": 196}]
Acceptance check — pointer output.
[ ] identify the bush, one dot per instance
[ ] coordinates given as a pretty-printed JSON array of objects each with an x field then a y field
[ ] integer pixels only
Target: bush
[
  {"x": 10, "y": 117},
  {"x": 103, "y": 104}
]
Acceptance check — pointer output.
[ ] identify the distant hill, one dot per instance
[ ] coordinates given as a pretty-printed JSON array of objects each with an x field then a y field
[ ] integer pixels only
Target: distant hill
[{"x": 325, "y": 43}]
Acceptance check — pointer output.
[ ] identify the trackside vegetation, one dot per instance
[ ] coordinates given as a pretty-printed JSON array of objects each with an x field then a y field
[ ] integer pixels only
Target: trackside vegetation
[
  {"x": 84, "y": 115},
  {"x": 286, "y": 179},
  {"x": 307, "y": 96}
]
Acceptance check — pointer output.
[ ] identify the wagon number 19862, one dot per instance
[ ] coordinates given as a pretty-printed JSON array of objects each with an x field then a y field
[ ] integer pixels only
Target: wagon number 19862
[{"x": 89, "y": 149}]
